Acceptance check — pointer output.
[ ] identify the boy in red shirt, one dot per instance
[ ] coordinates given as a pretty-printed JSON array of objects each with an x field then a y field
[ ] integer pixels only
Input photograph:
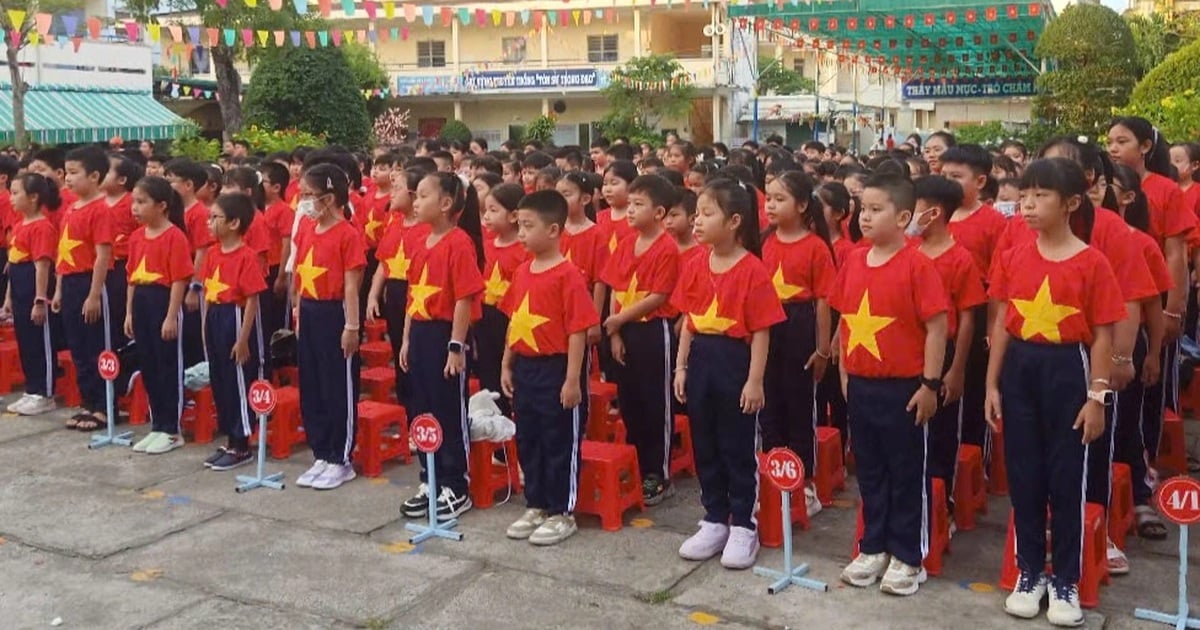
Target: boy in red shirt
[
  {"x": 892, "y": 332},
  {"x": 550, "y": 310},
  {"x": 8, "y": 217},
  {"x": 187, "y": 178},
  {"x": 123, "y": 174},
  {"x": 278, "y": 218}
]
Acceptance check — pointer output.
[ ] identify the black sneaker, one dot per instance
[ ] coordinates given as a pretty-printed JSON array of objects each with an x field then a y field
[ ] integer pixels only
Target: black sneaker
[
  {"x": 418, "y": 505},
  {"x": 451, "y": 505},
  {"x": 655, "y": 489},
  {"x": 217, "y": 455},
  {"x": 232, "y": 459}
]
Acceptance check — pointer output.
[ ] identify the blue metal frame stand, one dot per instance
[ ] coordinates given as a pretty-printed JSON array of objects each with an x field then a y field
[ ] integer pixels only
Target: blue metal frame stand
[
  {"x": 1180, "y": 620},
  {"x": 275, "y": 481},
  {"x": 111, "y": 437},
  {"x": 435, "y": 528},
  {"x": 790, "y": 575}
]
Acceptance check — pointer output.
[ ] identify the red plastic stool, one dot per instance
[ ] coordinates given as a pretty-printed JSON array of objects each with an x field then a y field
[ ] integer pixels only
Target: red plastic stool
[
  {"x": 603, "y": 426},
  {"x": 7, "y": 332},
  {"x": 382, "y": 436},
  {"x": 139, "y": 401},
  {"x": 683, "y": 458},
  {"x": 379, "y": 384},
  {"x": 376, "y": 354},
  {"x": 970, "y": 487},
  {"x": 998, "y": 472},
  {"x": 1120, "y": 509},
  {"x": 609, "y": 482},
  {"x": 1172, "y": 447},
  {"x": 1094, "y": 570},
  {"x": 10, "y": 367},
  {"x": 285, "y": 430},
  {"x": 473, "y": 386},
  {"x": 201, "y": 420},
  {"x": 831, "y": 464},
  {"x": 487, "y": 477},
  {"x": 939, "y": 526},
  {"x": 285, "y": 376},
  {"x": 770, "y": 506},
  {"x": 376, "y": 330},
  {"x": 67, "y": 385}
]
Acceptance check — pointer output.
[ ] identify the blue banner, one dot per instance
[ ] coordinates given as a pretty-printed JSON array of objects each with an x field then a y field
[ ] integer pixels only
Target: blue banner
[
  {"x": 545, "y": 79},
  {"x": 967, "y": 88}
]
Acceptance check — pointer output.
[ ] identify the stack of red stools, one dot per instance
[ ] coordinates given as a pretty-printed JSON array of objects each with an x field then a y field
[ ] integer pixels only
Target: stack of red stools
[
  {"x": 376, "y": 354},
  {"x": 67, "y": 385},
  {"x": 378, "y": 383},
  {"x": 770, "y": 507},
  {"x": 10, "y": 367},
  {"x": 1172, "y": 446},
  {"x": 831, "y": 464},
  {"x": 285, "y": 430},
  {"x": 382, "y": 436},
  {"x": 1094, "y": 569},
  {"x": 939, "y": 529},
  {"x": 609, "y": 482},
  {"x": 201, "y": 419},
  {"x": 683, "y": 458},
  {"x": 139, "y": 404},
  {"x": 601, "y": 425},
  {"x": 376, "y": 330},
  {"x": 488, "y": 477},
  {"x": 970, "y": 487},
  {"x": 284, "y": 376},
  {"x": 1121, "y": 517},
  {"x": 7, "y": 333}
]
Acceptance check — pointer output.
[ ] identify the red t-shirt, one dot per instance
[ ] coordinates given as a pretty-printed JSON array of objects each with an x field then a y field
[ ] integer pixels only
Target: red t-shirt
[
  {"x": 1056, "y": 302},
  {"x": 293, "y": 188},
  {"x": 588, "y": 249},
  {"x": 763, "y": 219},
  {"x": 231, "y": 277},
  {"x": 196, "y": 220},
  {"x": 163, "y": 259},
  {"x": 963, "y": 283},
  {"x": 617, "y": 230},
  {"x": 68, "y": 198},
  {"x": 8, "y": 217},
  {"x": 443, "y": 274},
  {"x": 688, "y": 255},
  {"x": 841, "y": 248},
  {"x": 123, "y": 225},
  {"x": 397, "y": 245},
  {"x": 258, "y": 236},
  {"x": 500, "y": 263},
  {"x": 373, "y": 217},
  {"x": 634, "y": 277},
  {"x": 735, "y": 303},
  {"x": 278, "y": 219},
  {"x": 1155, "y": 261},
  {"x": 884, "y": 310},
  {"x": 802, "y": 270},
  {"x": 83, "y": 229},
  {"x": 33, "y": 241},
  {"x": 322, "y": 260},
  {"x": 1191, "y": 199},
  {"x": 545, "y": 308},
  {"x": 1169, "y": 216},
  {"x": 979, "y": 232}
]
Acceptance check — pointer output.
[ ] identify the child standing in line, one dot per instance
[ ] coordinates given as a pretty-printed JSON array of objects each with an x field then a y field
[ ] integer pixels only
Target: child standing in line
[
  {"x": 550, "y": 311},
  {"x": 84, "y": 259},
  {"x": 187, "y": 178},
  {"x": 233, "y": 282},
  {"x": 582, "y": 240},
  {"x": 329, "y": 264},
  {"x": 641, "y": 275},
  {"x": 123, "y": 175},
  {"x": 798, "y": 255},
  {"x": 8, "y": 217},
  {"x": 30, "y": 274},
  {"x": 444, "y": 291},
  {"x": 1059, "y": 301},
  {"x": 502, "y": 254},
  {"x": 893, "y": 342},
  {"x": 831, "y": 403},
  {"x": 158, "y": 276},
  {"x": 615, "y": 220},
  {"x": 730, "y": 307},
  {"x": 51, "y": 162},
  {"x": 680, "y": 220},
  {"x": 277, "y": 219}
]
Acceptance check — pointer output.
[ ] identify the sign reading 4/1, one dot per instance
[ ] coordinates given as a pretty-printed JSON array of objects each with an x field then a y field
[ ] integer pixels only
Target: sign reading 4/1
[
  {"x": 1179, "y": 500},
  {"x": 262, "y": 397},
  {"x": 108, "y": 365},
  {"x": 426, "y": 433},
  {"x": 785, "y": 469}
]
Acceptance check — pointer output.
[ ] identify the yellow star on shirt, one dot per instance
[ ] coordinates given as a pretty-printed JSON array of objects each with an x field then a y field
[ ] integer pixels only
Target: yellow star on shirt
[
  {"x": 495, "y": 287},
  {"x": 522, "y": 325},
  {"x": 397, "y": 265},
  {"x": 142, "y": 276},
  {"x": 213, "y": 287},
  {"x": 630, "y": 295},
  {"x": 66, "y": 246},
  {"x": 1042, "y": 316},
  {"x": 784, "y": 290},
  {"x": 709, "y": 323},
  {"x": 372, "y": 227},
  {"x": 16, "y": 254},
  {"x": 612, "y": 241},
  {"x": 864, "y": 326},
  {"x": 309, "y": 273},
  {"x": 420, "y": 294}
]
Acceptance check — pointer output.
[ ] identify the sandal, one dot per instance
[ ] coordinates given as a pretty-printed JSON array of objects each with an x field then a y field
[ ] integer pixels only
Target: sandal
[
  {"x": 89, "y": 423},
  {"x": 73, "y": 421},
  {"x": 1149, "y": 526},
  {"x": 1118, "y": 564}
]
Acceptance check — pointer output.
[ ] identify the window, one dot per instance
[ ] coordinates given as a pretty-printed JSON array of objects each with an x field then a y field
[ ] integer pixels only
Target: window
[
  {"x": 431, "y": 54},
  {"x": 512, "y": 49},
  {"x": 602, "y": 48},
  {"x": 798, "y": 65}
]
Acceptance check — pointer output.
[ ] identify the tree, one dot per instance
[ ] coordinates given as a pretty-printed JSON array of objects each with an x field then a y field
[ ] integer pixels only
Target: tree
[
  {"x": 1157, "y": 35},
  {"x": 1094, "y": 53},
  {"x": 311, "y": 90},
  {"x": 12, "y": 49},
  {"x": 1175, "y": 75},
  {"x": 773, "y": 77},
  {"x": 643, "y": 92},
  {"x": 367, "y": 73}
]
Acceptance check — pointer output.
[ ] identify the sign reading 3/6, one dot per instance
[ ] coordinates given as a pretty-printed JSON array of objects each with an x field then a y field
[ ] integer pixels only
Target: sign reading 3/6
[
  {"x": 426, "y": 433},
  {"x": 108, "y": 365},
  {"x": 262, "y": 397},
  {"x": 1179, "y": 500},
  {"x": 785, "y": 469}
]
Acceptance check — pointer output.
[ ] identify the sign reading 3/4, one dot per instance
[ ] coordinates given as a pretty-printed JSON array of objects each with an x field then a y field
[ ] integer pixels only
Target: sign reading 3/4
[
  {"x": 426, "y": 433},
  {"x": 1179, "y": 500},
  {"x": 262, "y": 397}
]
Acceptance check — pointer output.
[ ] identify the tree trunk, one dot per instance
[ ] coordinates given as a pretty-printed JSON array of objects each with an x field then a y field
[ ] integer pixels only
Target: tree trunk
[
  {"x": 229, "y": 87},
  {"x": 20, "y": 141}
]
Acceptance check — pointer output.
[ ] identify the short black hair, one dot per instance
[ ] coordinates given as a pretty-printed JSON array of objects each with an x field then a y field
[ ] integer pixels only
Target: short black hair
[
  {"x": 818, "y": 146},
  {"x": 537, "y": 161},
  {"x": 237, "y": 206},
  {"x": 385, "y": 159},
  {"x": 158, "y": 157},
  {"x": 441, "y": 155},
  {"x": 187, "y": 170},
  {"x": 660, "y": 191},
  {"x": 482, "y": 142},
  {"x": 898, "y": 188},
  {"x": 487, "y": 163},
  {"x": 600, "y": 143},
  {"x": 277, "y": 173},
  {"x": 127, "y": 168},
  {"x": 686, "y": 200},
  {"x": 973, "y": 156},
  {"x": 620, "y": 151},
  {"x": 8, "y": 168},
  {"x": 93, "y": 160},
  {"x": 549, "y": 205},
  {"x": 939, "y": 191},
  {"x": 52, "y": 157},
  {"x": 675, "y": 177}
]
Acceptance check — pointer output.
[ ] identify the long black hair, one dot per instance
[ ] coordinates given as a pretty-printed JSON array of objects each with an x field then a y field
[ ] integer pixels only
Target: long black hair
[
  {"x": 736, "y": 198},
  {"x": 1137, "y": 213},
  {"x": 329, "y": 179},
  {"x": 800, "y": 187},
  {"x": 160, "y": 190},
  {"x": 1065, "y": 177},
  {"x": 837, "y": 196},
  {"x": 47, "y": 193},
  {"x": 1158, "y": 158},
  {"x": 464, "y": 208},
  {"x": 1090, "y": 158}
]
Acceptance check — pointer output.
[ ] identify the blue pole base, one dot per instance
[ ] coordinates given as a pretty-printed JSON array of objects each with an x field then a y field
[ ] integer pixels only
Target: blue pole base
[
  {"x": 109, "y": 439},
  {"x": 248, "y": 483},
  {"x": 443, "y": 529},
  {"x": 784, "y": 580},
  {"x": 1180, "y": 621}
]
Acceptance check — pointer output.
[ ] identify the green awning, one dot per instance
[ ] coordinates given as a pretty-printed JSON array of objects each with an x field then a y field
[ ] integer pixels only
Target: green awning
[{"x": 65, "y": 114}]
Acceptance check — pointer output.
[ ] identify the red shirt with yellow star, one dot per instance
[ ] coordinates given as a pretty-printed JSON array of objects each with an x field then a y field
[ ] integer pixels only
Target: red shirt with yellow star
[
  {"x": 688, "y": 255},
  {"x": 842, "y": 248},
  {"x": 231, "y": 277},
  {"x": 979, "y": 232},
  {"x": 443, "y": 274},
  {"x": 257, "y": 236},
  {"x": 123, "y": 225},
  {"x": 163, "y": 259},
  {"x": 500, "y": 263},
  {"x": 633, "y": 277},
  {"x": 277, "y": 218},
  {"x": 884, "y": 310},
  {"x": 545, "y": 308},
  {"x": 1169, "y": 215},
  {"x": 963, "y": 282},
  {"x": 1056, "y": 302},
  {"x": 196, "y": 220},
  {"x": 802, "y": 270},
  {"x": 372, "y": 218},
  {"x": 32, "y": 241},
  {"x": 615, "y": 230},
  {"x": 397, "y": 245},
  {"x": 735, "y": 303},
  {"x": 322, "y": 259},
  {"x": 83, "y": 229},
  {"x": 1155, "y": 261},
  {"x": 588, "y": 249}
]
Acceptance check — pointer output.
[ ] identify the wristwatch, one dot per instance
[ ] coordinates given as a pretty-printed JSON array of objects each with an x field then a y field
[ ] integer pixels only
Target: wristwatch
[
  {"x": 196, "y": 286},
  {"x": 1105, "y": 397},
  {"x": 932, "y": 383},
  {"x": 455, "y": 347}
]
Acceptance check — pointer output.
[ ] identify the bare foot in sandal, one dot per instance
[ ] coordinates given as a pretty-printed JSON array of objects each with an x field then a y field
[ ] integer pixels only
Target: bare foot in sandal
[
  {"x": 1149, "y": 525},
  {"x": 93, "y": 422}
]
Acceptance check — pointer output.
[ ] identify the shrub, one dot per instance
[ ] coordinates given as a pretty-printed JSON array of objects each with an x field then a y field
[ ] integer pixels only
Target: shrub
[
  {"x": 1175, "y": 75},
  {"x": 540, "y": 129},
  {"x": 455, "y": 130},
  {"x": 311, "y": 90}
]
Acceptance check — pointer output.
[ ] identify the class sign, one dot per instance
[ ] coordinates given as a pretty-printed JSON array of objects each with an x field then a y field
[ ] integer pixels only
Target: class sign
[{"x": 928, "y": 89}]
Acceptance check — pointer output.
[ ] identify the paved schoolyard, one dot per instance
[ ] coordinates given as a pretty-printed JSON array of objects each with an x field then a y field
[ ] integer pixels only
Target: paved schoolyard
[{"x": 112, "y": 539}]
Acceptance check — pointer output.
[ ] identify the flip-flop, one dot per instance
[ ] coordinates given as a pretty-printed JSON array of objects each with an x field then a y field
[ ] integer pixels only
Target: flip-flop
[
  {"x": 90, "y": 423},
  {"x": 1149, "y": 526},
  {"x": 73, "y": 421}
]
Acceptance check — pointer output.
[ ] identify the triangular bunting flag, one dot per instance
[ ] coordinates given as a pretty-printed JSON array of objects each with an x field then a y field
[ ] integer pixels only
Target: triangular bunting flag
[
  {"x": 70, "y": 23},
  {"x": 43, "y": 23},
  {"x": 323, "y": 37},
  {"x": 155, "y": 32},
  {"x": 395, "y": 32},
  {"x": 510, "y": 18},
  {"x": 447, "y": 16},
  {"x": 325, "y": 7},
  {"x": 295, "y": 35},
  {"x": 63, "y": 40},
  {"x": 576, "y": 15},
  {"x": 262, "y": 37},
  {"x": 311, "y": 37},
  {"x": 194, "y": 34},
  {"x": 360, "y": 36},
  {"x": 93, "y": 26},
  {"x": 389, "y": 9},
  {"x": 369, "y": 7},
  {"x": 496, "y": 16},
  {"x": 373, "y": 37},
  {"x": 481, "y": 17},
  {"x": 223, "y": 3},
  {"x": 301, "y": 6},
  {"x": 410, "y": 13},
  {"x": 247, "y": 38},
  {"x": 587, "y": 17},
  {"x": 213, "y": 35},
  {"x": 16, "y": 18},
  {"x": 76, "y": 42},
  {"x": 525, "y": 17},
  {"x": 348, "y": 8},
  {"x": 230, "y": 36},
  {"x": 176, "y": 32},
  {"x": 252, "y": 3},
  {"x": 34, "y": 38},
  {"x": 278, "y": 38},
  {"x": 275, "y": 4},
  {"x": 131, "y": 30},
  {"x": 404, "y": 33}
]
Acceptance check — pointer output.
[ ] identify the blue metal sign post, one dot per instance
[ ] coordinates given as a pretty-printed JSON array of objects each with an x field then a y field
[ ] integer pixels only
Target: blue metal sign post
[
  {"x": 1179, "y": 502},
  {"x": 262, "y": 403},
  {"x": 787, "y": 472},
  {"x": 109, "y": 366},
  {"x": 427, "y": 434}
]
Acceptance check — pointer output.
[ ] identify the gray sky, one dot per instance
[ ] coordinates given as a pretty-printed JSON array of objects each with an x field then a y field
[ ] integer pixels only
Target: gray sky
[{"x": 1116, "y": 5}]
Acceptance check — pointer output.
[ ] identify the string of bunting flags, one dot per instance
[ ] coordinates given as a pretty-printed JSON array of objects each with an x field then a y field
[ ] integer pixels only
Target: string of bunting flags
[{"x": 177, "y": 90}]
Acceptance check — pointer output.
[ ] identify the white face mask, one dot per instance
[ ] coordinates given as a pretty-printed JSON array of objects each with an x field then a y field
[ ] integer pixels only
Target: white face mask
[
  {"x": 914, "y": 229},
  {"x": 1007, "y": 208},
  {"x": 308, "y": 207}
]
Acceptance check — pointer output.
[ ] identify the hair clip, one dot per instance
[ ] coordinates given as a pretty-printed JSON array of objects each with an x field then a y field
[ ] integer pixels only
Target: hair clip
[
  {"x": 1083, "y": 139},
  {"x": 258, "y": 176},
  {"x": 328, "y": 183},
  {"x": 1155, "y": 134}
]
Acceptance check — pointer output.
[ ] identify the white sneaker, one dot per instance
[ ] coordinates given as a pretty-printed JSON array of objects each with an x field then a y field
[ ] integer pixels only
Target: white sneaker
[
  {"x": 741, "y": 549},
  {"x": 37, "y": 405},
  {"x": 1064, "y": 606},
  {"x": 865, "y": 569},
  {"x": 306, "y": 480},
  {"x": 706, "y": 543},
  {"x": 19, "y": 404},
  {"x": 556, "y": 529},
  {"x": 333, "y": 476},
  {"x": 1118, "y": 563},
  {"x": 811, "y": 502},
  {"x": 1026, "y": 599},
  {"x": 902, "y": 579},
  {"x": 524, "y": 526},
  {"x": 145, "y": 442},
  {"x": 164, "y": 444}
]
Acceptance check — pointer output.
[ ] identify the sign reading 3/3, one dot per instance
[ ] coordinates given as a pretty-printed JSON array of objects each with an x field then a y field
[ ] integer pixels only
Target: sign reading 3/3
[
  {"x": 108, "y": 365},
  {"x": 785, "y": 469},
  {"x": 262, "y": 397},
  {"x": 1179, "y": 500},
  {"x": 426, "y": 433}
]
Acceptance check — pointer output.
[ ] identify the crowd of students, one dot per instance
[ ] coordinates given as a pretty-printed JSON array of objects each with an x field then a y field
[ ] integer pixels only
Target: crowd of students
[{"x": 911, "y": 300}]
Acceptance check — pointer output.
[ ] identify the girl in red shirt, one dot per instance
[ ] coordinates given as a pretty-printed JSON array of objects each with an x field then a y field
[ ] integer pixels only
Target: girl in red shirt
[
  {"x": 1185, "y": 157},
  {"x": 583, "y": 241},
  {"x": 30, "y": 259},
  {"x": 730, "y": 306},
  {"x": 831, "y": 404},
  {"x": 123, "y": 174},
  {"x": 681, "y": 156},
  {"x": 799, "y": 258},
  {"x": 502, "y": 254},
  {"x": 617, "y": 178},
  {"x": 1059, "y": 299}
]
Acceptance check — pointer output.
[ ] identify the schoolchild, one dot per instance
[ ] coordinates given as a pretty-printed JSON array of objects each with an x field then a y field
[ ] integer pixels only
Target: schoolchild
[
  {"x": 502, "y": 254},
  {"x": 123, "y": 175}
]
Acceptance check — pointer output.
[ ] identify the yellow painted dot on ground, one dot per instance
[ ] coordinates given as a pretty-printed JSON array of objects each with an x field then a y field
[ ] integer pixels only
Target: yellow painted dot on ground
[
  {"x": 704, "y": 619},
  {"x": 379, "y": 481},
  {"x": 154, "y": 494},
  {"x": 641, "y": 523},
  {"x": 146, "y": 575},
  {"x": 981, "y": 587},
  {"x": 400, "y": 546}
]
